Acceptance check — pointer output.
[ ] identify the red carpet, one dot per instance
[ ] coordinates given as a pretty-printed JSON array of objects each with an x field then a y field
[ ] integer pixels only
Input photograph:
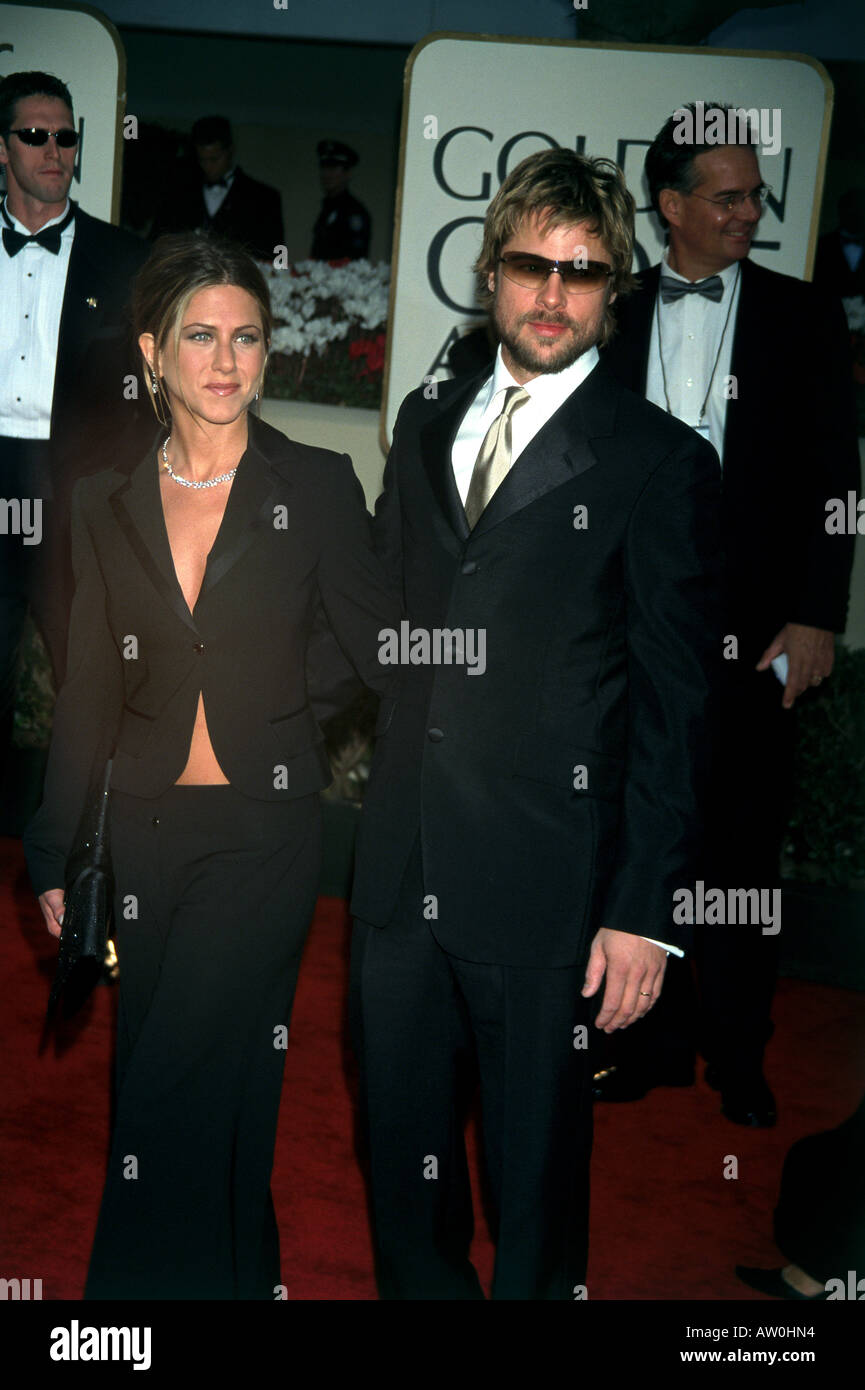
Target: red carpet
[{"x": 666, "y": 1223}]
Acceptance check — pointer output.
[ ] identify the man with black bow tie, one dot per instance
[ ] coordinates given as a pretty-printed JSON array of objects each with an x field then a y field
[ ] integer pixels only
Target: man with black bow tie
[
  {"x": 225, "y": 200},
  {"x": 64, "y": 343},
  {"x": 758, "y": 363},
  {"x": 527, "y": 815}
]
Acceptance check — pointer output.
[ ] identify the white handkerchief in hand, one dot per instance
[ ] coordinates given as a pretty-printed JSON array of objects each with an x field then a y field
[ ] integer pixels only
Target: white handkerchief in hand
[{"x": 779, "y": 666}]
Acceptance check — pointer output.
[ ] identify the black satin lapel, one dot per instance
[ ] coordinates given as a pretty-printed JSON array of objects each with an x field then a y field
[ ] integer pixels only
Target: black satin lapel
[
  {"x": 643, "y": 309},
  {"x": 559, "y": 451},
  {"x": 436, "y": 441},
  {"x": 249, "y": 507},
  {"x": 79, "y": 319},
  {"x": 745, "y": 365},
  {"x": 138, "y": 509}
]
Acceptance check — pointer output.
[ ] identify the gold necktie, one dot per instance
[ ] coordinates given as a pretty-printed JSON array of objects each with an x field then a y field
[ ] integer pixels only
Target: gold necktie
[{"x": 494, "y": 459}]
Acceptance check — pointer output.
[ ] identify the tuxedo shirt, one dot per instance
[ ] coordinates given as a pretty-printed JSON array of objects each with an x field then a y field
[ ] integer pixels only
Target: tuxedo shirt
[
  {"x": 692, "y": 337},
  {"x": 215, "y": 194},
  {"x": 32, "y": 286}
]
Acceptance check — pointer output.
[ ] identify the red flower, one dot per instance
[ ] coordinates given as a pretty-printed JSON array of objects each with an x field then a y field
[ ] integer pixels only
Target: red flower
[{"x": 370, "y": 348}]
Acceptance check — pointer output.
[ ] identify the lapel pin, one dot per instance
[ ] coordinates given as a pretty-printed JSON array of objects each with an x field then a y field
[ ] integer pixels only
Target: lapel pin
[{"x": 91, "y": 302}]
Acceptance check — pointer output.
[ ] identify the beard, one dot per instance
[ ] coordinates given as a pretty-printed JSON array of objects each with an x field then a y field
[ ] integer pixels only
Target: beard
[{"x": 533, "y": 355}]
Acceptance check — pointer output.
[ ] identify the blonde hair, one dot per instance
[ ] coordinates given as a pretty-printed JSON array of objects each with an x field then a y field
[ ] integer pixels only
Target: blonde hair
[
  {"x": 562, "y": 188},
  {"x": 177, "y": 268}
]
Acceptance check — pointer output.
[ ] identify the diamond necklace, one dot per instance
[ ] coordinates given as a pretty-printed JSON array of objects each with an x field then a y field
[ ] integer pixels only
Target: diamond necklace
[{"x": 184, "y": 482}]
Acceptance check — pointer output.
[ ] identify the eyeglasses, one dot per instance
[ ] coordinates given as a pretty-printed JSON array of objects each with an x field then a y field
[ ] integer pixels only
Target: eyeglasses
[
  {"x": 532, "y": 272},
  {"x": 38, "y": 135},
  {"x": 757, "y": 196}
]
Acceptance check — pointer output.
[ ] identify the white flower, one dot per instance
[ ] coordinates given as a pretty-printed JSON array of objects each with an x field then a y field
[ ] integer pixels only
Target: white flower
[{"x": 360, "y": 290}]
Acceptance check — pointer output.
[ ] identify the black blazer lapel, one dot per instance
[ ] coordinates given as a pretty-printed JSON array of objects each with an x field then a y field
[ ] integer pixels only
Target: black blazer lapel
[
  {"x": 249, "y": 508},
  {"x": 745, "y": 364},
  {"x": 628, "y": 351},
  {"x": 560, "y": 450},
  {"x": 137, "y": 507},
  {"x": 436, "y": 442},
  {"x": 81, "y": 314}
]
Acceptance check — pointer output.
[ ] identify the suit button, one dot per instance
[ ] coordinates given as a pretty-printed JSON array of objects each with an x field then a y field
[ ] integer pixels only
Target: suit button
[
  {"x": 155, "y": 821},
  {"x": 199, "y": 648},
  {"x": 435, "y": 735},
  {"x": 469, "y": 567}
]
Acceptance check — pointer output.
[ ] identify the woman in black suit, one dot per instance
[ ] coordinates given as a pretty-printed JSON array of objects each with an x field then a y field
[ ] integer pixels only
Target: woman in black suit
[{"x": 201, "y": 572}]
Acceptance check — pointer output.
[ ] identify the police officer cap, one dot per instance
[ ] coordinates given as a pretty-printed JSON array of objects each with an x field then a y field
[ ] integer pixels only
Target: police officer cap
[{"x": 335, "y": 152}]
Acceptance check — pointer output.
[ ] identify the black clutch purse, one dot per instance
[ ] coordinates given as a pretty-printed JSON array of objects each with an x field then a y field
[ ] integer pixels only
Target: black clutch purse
[{"x": 88, "y": 907}]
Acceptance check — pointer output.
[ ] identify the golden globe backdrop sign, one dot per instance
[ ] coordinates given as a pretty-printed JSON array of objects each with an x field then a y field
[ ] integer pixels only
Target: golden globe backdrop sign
[
  {"x": 475, "y": 106},
  {"x": 81, "y": 47}
]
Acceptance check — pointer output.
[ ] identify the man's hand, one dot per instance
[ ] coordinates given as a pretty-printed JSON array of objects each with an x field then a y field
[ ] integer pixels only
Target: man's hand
[
  {"x": 635, "y": 972},
  {"x": 51, "y": 903},
  {"x": 810, "y": 656}
]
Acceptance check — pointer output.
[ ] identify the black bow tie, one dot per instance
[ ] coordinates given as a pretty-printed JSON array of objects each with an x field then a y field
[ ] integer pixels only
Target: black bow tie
[
  {"x": 49, "y": 237},
  {"x": 712, "y": 288},
  {"x": 217, "y": 183}
]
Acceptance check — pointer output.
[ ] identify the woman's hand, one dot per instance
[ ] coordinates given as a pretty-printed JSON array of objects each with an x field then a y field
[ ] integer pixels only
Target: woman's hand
[{"x": 51, "y": 903}]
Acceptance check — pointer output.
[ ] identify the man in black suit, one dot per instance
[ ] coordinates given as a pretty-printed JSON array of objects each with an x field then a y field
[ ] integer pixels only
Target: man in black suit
[
  {"x": 224, "y": 199},
  {"x": 759, "y": 363},
  {"x": 67, "y": 396},
  {"x": 533, "y": 800}
]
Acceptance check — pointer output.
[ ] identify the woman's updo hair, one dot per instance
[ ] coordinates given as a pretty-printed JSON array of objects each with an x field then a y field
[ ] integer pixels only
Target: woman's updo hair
[{"x": 177, "y": 268}]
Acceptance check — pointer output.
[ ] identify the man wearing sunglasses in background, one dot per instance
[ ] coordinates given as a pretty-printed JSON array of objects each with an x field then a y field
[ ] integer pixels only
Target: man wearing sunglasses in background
[
  {"x": 528, "y": 815},
  {"x": 759, "y": 363},
  {"x": 64, "y": 282}
]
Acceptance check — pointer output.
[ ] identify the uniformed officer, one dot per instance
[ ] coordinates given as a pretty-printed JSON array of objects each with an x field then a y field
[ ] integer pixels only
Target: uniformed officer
[{"x": 342, "y": 228}]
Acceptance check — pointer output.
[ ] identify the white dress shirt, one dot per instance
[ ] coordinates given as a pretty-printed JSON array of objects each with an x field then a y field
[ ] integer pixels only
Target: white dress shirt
[
  {"x": 692, "y": 328},
  {"x": 32, "y": 285},
  {"x": 547, "y": 393},
  {"x": 215, "y": 194}
]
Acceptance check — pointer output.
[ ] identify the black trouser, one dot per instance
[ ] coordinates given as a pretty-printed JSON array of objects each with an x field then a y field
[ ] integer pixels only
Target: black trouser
[
  {"x": 32, "y": 576},
  {"x": 214, "y": 894},
  {"x": 820, "y": 1216},
  {"x": 729, "y": 1015},
  {"x": 423, "y": 1020}
]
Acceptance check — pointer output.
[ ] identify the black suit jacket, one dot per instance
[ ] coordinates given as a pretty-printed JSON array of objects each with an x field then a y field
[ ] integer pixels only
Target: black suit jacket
[
  {"x": 95, "y": 409},
  {"x": 295, "y": 537},
  {"x": 601, "y": 645},
  {"x": 342, "y": 228},
  {"x": 789, "y": 446},
  {"x": 250, "y": 213},
  {"x": 832, "y": 273}
]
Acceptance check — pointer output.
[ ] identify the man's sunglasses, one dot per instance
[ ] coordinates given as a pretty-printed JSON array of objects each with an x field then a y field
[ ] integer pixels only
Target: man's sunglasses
[
  {"x": 532, "y": 272},
  {"x": 38, "y": 135}
]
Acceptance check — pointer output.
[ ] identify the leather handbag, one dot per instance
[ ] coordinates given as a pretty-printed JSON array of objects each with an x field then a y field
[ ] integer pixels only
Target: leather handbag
[{"x": 88, "y": 906}]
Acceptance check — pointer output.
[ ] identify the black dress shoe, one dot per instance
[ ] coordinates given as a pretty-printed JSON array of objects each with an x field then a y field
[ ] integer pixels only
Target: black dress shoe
[
  {"x": 623, "y": 1083},
  {"x": 745, "y": 1101},
  {"x": 772, "y": 1282}
]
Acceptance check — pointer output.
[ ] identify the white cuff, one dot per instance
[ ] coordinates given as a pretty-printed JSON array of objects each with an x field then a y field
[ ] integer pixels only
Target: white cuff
[{"x": 665, "y": 946}]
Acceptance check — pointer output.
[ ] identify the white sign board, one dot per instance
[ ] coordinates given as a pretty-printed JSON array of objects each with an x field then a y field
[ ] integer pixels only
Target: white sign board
[
  {"x": 475, "y": 106},
  {"x": 83, "y": 49}
]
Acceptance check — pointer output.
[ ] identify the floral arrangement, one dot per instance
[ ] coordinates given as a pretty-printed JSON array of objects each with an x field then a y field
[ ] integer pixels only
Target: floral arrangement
[{"x": 328, "y": 342}]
